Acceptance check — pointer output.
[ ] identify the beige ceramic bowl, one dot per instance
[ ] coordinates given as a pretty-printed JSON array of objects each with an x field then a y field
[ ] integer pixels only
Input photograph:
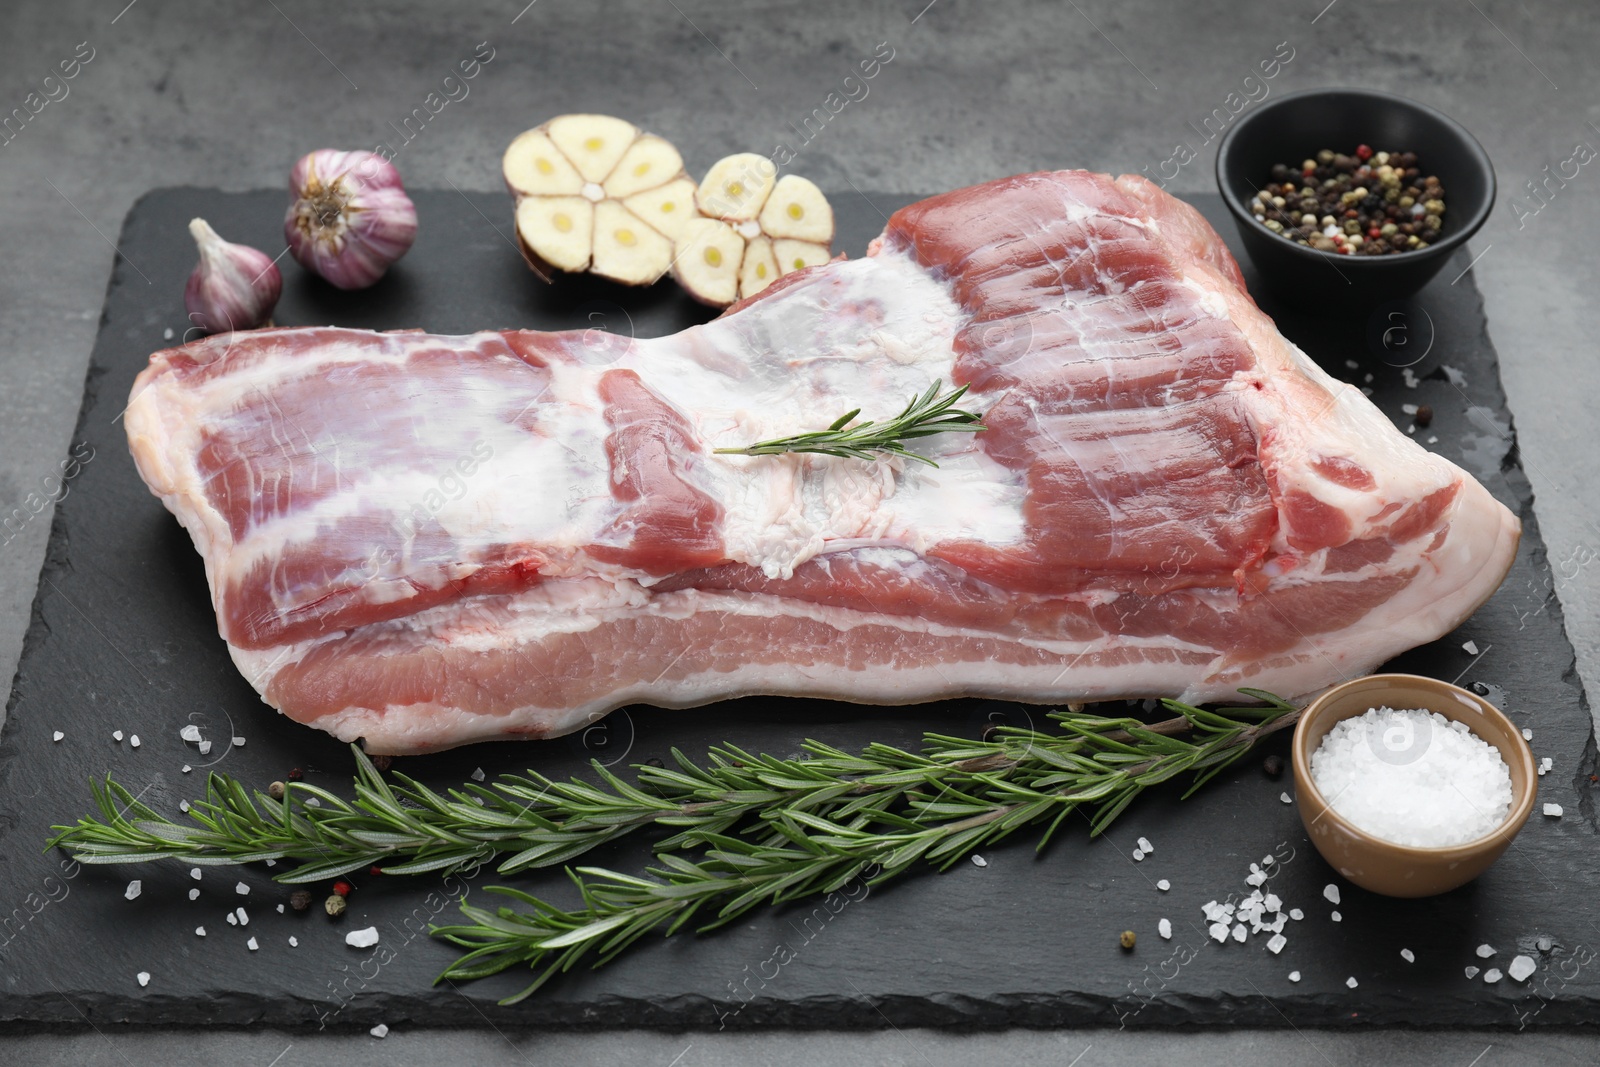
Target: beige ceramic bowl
[{"x": 1383, "y": 866}]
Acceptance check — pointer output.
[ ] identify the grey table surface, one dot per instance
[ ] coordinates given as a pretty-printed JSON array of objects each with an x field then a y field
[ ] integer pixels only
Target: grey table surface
[{"x": 229, "y": 93}]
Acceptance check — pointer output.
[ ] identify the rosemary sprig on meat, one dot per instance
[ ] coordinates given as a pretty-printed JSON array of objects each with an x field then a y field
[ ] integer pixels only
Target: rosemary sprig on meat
[
  {"x": 926, "y": 415},
  {"x": 749, "y": 830}
]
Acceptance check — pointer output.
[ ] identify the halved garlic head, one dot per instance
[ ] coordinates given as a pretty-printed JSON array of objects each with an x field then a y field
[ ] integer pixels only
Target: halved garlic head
[
  {"x": 596, "y": 194},
  {"x": 754, "y": 228}
]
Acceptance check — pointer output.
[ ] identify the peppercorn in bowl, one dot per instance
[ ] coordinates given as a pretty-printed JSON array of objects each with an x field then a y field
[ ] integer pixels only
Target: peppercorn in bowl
[{"x": 1346, "y": 198}]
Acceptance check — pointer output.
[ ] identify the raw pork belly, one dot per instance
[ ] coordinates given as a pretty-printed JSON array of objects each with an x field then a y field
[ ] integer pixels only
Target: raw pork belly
[{"x": 425, "y": 541}]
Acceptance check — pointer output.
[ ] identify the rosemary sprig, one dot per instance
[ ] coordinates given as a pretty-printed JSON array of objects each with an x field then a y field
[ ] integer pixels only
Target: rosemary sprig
[
  {"x": 750, "y": 830},
  {"x": 924, "y": 416}
]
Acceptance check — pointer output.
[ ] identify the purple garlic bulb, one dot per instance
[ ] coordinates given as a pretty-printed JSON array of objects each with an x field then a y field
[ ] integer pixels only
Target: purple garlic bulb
[{"x": 350, "y": 218}]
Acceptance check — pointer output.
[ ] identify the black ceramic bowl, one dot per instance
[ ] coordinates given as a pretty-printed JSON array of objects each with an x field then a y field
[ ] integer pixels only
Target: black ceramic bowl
[{"x": 1296, "y": 127}]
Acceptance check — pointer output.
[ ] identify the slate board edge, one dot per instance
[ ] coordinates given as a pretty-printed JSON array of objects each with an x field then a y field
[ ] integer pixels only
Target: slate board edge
[{"x": 440, "y": 1007}]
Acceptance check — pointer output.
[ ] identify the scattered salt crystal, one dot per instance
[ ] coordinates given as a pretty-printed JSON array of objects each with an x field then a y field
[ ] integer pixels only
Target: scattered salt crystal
[
  {"x": 1433, "y": 440},
  {"x": 242, "y": 889},
  {"x": 1138, "y": 855},
  {"x": 194, "y": 894},
  {"x": 251, "y": 944},
  {"x": 1273, "y": 902},
  {"x": 362, "y": 938},
  {"x": 380, "y": 1031},
  {"x": 1413, "y": 777},
  {"x": 134, "y": 740},
  {"x": 1553, "y": 810},
  {"x": 1351, "y": 982},
  {"x": 183, "y": 805},
  {"x": 1527, "y": 734},
  {"x": 1521, "y": 967},
  {"x": 1164, "y": 928},
  {"x": 194, "y": 872},
  {"x": 238, "y": 742},
  {"x": 280, "y": 909},
  {"x": 1275, "y": 945},
  {"x": 294, "y": 942},
  {"x": 233, "y": 920},
  {"x": 133, "y": 889},
  {"x": 1240, "y": 933},
  {"x": 1472, "y": 972},
  {"x": 1492, "y": 975},
  {"x": 1409, "y": 409},
  {"x": 979, "y": 861},
  {"x": 1352, "y": 364},
  {"x": 1255, "y": 878},
  {"x": 1412, "y": 381},
  {"x": 166, "y": 335},
  {"x": 205, "y": 748},
  {"x": 1407, "y": 955},
  {"x": 199, "y": 931},
  {"x": 1485, "y": 951},
  {"x": 1286, "y": 798},
  {"x": 1267, "y": 861},
  {"x": 1366, "y": 390},
  {"x": 1336, "y": 917},
  {"x": 1219, "y": 931},
  {"x": 1367, "y": 378},
  {"x": 1163, "y": 885},
  {"x": 313, "y": 802},
  {"x": 1296, "y": 914},
  {"x": 116, "y": 735},
  {"x": 272, "y": 863},
  {"x": 1412, "y": 429},
  {"x": 244, "y": 920},
  {"x": 187, "y": 768},
  {"x": 144, "y": 978},
  {"x": 1546, "y": 763},
  {"x": 190, "y": 733},
  {"x": 1469, "y": 647},
  {"x": 1330, "y": 893},
  {"x": 58, "y": 735},
  {"x": 1294, "y": 976},
  {"x": 477, "y": 775},
  {"x": 1145, "y": 846}
]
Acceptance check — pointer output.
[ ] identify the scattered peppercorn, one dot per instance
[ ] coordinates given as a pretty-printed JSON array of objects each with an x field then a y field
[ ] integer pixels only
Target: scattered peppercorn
[
  {"x": 1368, "y": 203},
  {"x": 334, "y": 906},
  {"x": 381, "y": 762},
  {"x": 1126, "y": 940},
  {"x": 275, "y": 790},
  {"x": 989, "y": 732},
  {"x": 1273, "y": 766},
  {"x": 655, "y": 761},
  {"x": 1424, "y": 416},
  {"x": 342, "y": 887},
  {"x": 300, "y": 899},
  {"x": 296, "y": 774}
]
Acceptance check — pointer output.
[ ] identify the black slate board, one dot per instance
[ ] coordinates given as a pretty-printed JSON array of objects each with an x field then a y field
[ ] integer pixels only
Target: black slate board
[{"x": 123, "y": 637}]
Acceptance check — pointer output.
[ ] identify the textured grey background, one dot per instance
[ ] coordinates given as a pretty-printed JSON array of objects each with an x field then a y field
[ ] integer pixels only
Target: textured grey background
[{"x": 228, "y": 94}]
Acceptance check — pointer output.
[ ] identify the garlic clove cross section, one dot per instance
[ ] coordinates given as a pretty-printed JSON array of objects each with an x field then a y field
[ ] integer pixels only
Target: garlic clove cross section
[
  {"x": 596, "y": 194},
  {"x": 754, "y": 228}
]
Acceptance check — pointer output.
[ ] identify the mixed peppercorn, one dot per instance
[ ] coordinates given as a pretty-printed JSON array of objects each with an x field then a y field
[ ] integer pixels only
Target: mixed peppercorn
[{"x": 1365, "y": 204}]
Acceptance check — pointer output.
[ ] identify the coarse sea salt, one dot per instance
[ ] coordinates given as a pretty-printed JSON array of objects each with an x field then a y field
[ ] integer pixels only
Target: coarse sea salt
[
  {"x": 362, "y": 938},
  {"x": 133, "y": 889},
  {"x": 1164, "y": 928},
  {"x": 1413, "y": 777},
  {"x": 1294, "y": 976},
  {"x": 1521, "y": 968},
  {"x": 1407, "y": 955},
  {"x": 1553, "y": 810},
  {"x": 1163, "y": 885}
]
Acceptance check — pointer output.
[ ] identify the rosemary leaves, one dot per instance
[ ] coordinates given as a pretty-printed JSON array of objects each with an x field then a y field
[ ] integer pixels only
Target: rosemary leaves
[
  {"x": 751, "y": 831},
  {"x": 926, "y": 415}
]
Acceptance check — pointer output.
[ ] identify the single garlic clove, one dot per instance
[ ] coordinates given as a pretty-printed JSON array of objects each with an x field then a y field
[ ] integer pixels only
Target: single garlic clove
[
  {"x": 759, "y": 269},
  {"x": 557, "y": 230},
  {"x": 798, "y": 255},
  {"x": 647, "y": 163},
  {"x": 736, "y": 187},
  {"x": 593, "y": 143},
  {"x": 625, "y": 249},
  {"x": 666, "y": 207},
  {"x": 534, "y": 166},
  {"x": 233, "y": 287},
  {"x": 798, "y": 211},
  {"x": 709, "y": 253},
  {"x": 350, "y": 218}
]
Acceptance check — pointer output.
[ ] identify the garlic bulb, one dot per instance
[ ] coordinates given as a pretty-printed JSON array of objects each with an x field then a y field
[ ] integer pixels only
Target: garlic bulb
[
  {"x": 234, "y": 287},
  {"x": 350, "y": 218}
]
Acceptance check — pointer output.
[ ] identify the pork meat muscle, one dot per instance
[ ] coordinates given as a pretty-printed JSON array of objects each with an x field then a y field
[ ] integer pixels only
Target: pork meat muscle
[{"x": 426, "y": 541}]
